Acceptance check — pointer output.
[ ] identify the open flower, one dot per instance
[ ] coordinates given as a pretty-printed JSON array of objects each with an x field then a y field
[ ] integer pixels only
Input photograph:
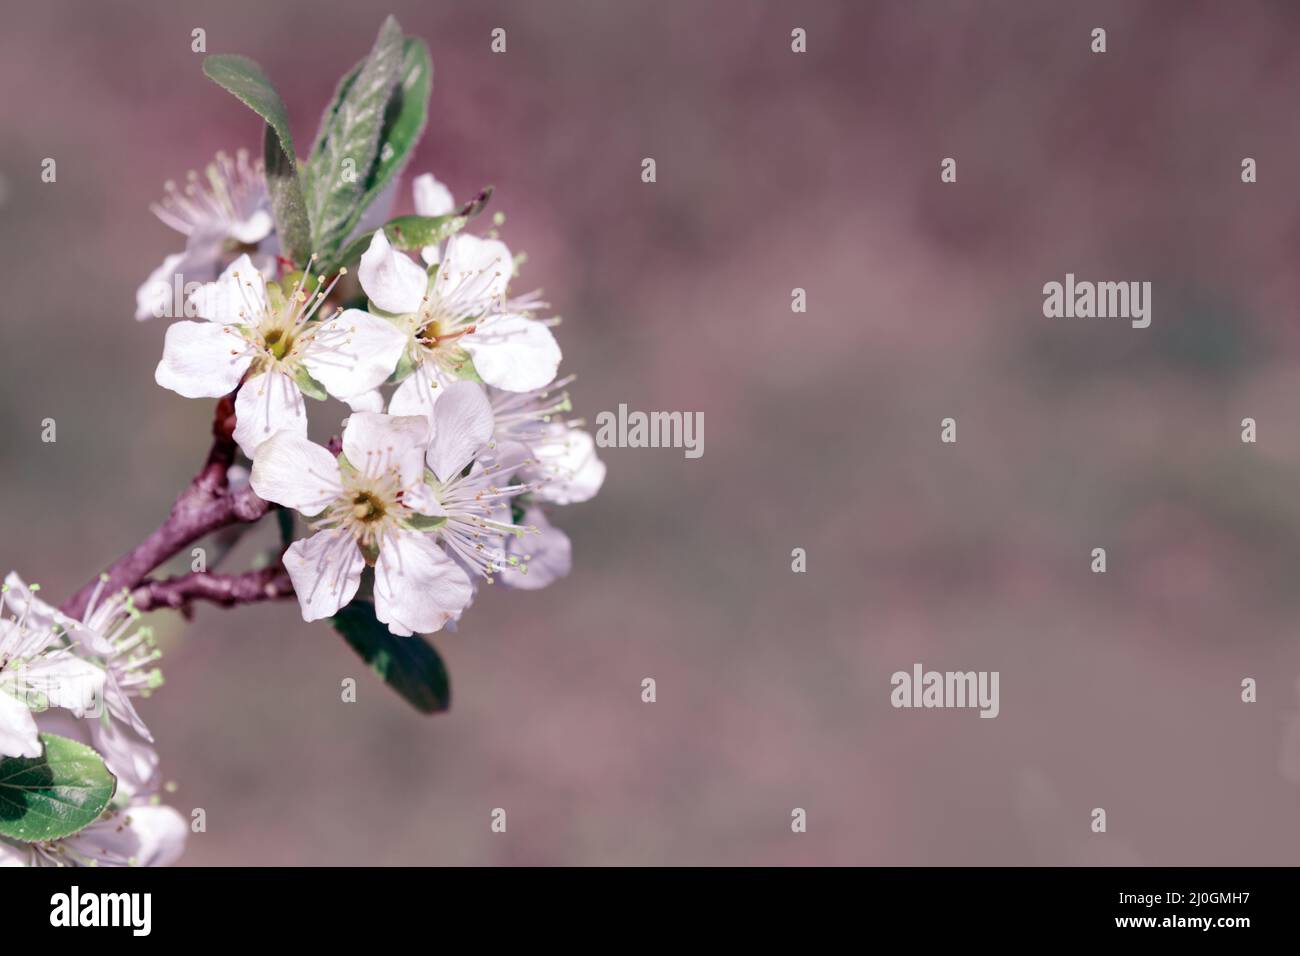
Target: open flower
[
  {"x": 473, "y": 482},
  {"x": 38, "y": 669},
  {"x": 566, "y": 468},
  {"x": 222, "y": 213},
  {"x": 369, "y": 506},
  {"x": 458, "y": 317},
  {"x": 252, "y": 327},
  {"x": 110, "y": 633}
]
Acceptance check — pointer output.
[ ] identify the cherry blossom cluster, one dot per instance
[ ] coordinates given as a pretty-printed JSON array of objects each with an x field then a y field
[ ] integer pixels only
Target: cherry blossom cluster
[{"x": 439, "y": 486}]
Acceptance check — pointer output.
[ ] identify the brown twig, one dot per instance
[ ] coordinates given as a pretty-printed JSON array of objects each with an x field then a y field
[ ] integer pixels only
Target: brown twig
[
  {"x": 251, "y": 587},
  {"x": 207, "y": 504}
]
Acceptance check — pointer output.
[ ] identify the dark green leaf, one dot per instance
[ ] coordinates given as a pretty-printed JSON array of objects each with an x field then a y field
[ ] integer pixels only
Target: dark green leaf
[
  {"x": 245, "y": 79},
  {"x": 338, "y": 171},
  {"x": 404, "y": 122},
  {"x": 54, "y": 795},
  {"x": 409, "y": 665},
  {"x": 287, "y": 204}
]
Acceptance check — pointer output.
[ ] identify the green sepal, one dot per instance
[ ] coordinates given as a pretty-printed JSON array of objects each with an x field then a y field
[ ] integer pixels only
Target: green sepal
[{"x": 308, "y": 385}]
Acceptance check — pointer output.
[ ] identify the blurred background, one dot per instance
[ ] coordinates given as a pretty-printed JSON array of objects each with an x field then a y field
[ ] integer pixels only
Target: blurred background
[{"x": 775, "y": 171}]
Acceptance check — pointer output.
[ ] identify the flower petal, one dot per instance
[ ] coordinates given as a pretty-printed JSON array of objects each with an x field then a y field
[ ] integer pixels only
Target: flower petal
[
  {"x": 296, "y": 473},
  {"x": 326, "y": 572},
  {"x": 514, "y": 352},
  {"x": 462, "y": 425},
  {"x": 130, "y": 758},
  {"x": 474, "y": 271},
  {"x": 432, "y": 198},
  {"x": 416, "y": 394},
  {"x": 268, "y": 403},
  {"x": 353, "y": 353},
  {"x": 66, "y": 681},
  {"x": 161, "y": 832},
  {"x": 568, "y": 466},
  {"x": 391, "y": 280},
  {"x": 153, "y": 299},
  {"x": 238, "y": 297},
  {"x": 197, "y": 360},
  {"x": 374, "y": 443},
  {"x": 18, "y": 735},
  {"x": 418, "y": 588},
  {"x": 548, "y": 554}
]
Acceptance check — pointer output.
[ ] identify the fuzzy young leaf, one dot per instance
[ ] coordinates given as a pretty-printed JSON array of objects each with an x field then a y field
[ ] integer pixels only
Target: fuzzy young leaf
[
  {"x": 287, "y": 203},
  {"x": 345, "y": 152},
  {"x": 54, "y": 795},
  {"x": 244, "y": 78},
  {"x": 403, "y": 124},
  {"x": 409, "y": 665}
]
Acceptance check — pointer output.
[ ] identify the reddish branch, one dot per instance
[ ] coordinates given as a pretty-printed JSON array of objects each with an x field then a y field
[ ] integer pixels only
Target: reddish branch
[
  {"x": 207, "y": 504},
  {"x": 267, "y": 584}
]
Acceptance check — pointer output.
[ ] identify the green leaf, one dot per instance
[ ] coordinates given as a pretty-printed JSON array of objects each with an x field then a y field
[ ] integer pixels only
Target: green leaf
[
  {"x": 415, "y": 232},
  {"x": 54, "y": 795},
  {"x": 404, "y": 122},
  {"x": 345, "y": 152},
  {"x": 244, "y": 78},
  {"x": 287, "y": 204},
  {"x": 409, "y": 665}
]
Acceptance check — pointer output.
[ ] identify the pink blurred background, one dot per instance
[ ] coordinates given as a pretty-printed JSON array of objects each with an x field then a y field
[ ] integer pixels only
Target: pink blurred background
[{"x": 775, "y": 170}]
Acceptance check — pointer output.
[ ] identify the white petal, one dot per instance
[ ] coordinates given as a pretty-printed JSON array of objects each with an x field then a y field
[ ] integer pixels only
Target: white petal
[
  {"x": 238, "y": 297},
  {"x": 354, "y": 353},
  {"x": 296, "y": 473},
  {"x": 197, "y": 360},
  {"x": 462, "y": 425},
  {"x": 16, "y": 855},
  {"x": 569, "y": 467},
  {"x": 130, "y": 758},
  {"x": 66, "y": 681},
  {"x": 416, "y": 394},
  {"x": 391, "y": 280},
  {"x": 326, "y": 572},
  {"x": 549, "y": 554},
  {"x": 254, "y": 229},
  {"x": 371, "y": 401},
  {"x": 473, "y": 271},
  {"x": 432, "y": 198},
  {"x": 417, "y": 587},
  {"x": 373, "y": 443},
  {"x": 24, "y": 604},
  {"x": 153, "y": 299},
  {"x": 514, "y": 353},
  {"x": 161, "y": 832},
  {"x": 421, "y": 499},
  {"x": 268, "y": 403},
  {"x": 18, "y": 735}
]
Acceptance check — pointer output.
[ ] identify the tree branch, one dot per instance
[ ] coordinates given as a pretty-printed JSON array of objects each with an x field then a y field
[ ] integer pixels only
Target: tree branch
[
  {"x": 251, "y": 587},
  {"x": 206, "y": 505}
]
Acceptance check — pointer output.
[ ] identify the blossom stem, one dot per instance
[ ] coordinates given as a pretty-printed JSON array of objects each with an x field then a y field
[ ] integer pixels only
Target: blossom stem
[{"x": 207, "y": 504}]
